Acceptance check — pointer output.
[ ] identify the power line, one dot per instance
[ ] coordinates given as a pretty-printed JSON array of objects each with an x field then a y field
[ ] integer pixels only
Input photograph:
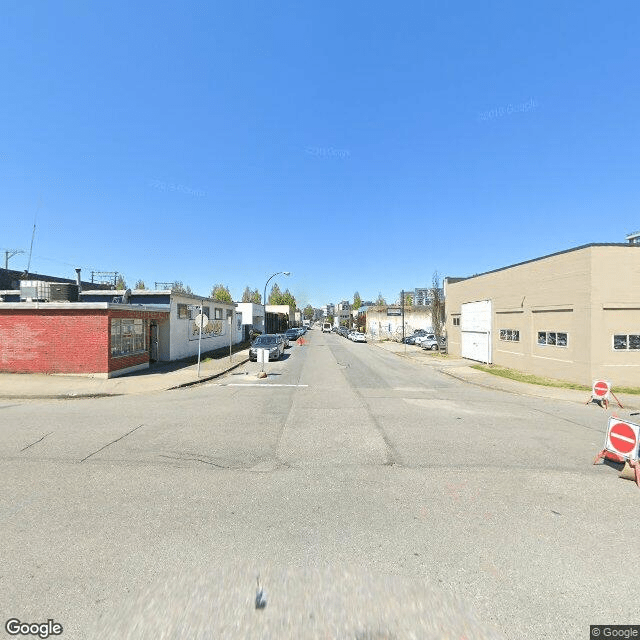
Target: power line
[{"x": 9, "y": 253}]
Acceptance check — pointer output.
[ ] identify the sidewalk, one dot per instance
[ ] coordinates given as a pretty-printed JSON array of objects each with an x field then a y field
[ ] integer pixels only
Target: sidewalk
[
  {"x": 159, "y": 377},
  {"x": 460, "y": 368}
]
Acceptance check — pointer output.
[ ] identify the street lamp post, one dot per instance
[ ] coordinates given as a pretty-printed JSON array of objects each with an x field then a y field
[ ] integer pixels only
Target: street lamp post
[{"x": 264, "y": 299}]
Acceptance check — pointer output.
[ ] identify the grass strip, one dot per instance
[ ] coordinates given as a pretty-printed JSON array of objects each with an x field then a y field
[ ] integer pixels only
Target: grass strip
[{"x": 518, "y": 376}]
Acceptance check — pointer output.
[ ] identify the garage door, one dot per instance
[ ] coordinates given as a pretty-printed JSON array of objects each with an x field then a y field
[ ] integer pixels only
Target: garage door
[{"x": 475, "y": 326}]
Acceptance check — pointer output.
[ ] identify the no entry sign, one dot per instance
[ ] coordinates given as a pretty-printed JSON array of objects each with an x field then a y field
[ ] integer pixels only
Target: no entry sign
[
  {"x": 622, "y": 438},
  {"x": 601, "y": 389}
]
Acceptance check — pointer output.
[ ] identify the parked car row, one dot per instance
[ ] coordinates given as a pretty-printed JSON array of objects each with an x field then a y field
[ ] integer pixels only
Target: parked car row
[
  {"x": 425, "y": 340},
  {"x": 417, "y": 334},
  {"x": 353, "y": 334},
  {"x": 275, "y": 342}
]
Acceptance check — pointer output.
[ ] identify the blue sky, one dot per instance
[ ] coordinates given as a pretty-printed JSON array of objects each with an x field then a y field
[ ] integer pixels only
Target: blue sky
[{"x": 359, "y": 145}]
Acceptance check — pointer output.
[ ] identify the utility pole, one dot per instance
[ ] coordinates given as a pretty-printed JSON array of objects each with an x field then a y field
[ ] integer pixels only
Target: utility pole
[
  {"x": 201, "y": 323},
  {"x": 403, "y": 342},
  {"x": 231, "y": 318},
  {"x": 9, "y": 253}
]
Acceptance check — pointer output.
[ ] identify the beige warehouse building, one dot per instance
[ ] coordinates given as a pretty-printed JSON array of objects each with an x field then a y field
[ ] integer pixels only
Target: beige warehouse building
[{"x": 573, "y": 315}]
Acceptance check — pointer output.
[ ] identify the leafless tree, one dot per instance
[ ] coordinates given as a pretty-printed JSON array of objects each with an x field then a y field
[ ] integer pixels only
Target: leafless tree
[{"x": 437, "y": 307}]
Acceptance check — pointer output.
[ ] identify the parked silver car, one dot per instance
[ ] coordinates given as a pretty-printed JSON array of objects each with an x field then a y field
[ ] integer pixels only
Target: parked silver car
[
  {"x": 269, "y": 341},
  {"x": 430, "y": 343}
]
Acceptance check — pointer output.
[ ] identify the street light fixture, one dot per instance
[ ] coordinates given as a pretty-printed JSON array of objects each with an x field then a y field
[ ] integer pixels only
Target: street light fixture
[{"x": 264, "y": 299}]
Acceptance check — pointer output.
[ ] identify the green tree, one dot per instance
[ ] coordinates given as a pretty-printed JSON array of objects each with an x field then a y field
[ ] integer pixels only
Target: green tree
[
  {"x": 121, "y": 283},
  {"x": 287, "y": 298},
  {"x": 380, "y": 300},
  {"x": 246, "y": 294},
  {"x": 140, "y": 284},
  {"x": 220, "y": 293},
  {"x": 308, "y": 312},
  {"x": 408, "y": 300},
  {"x": 275, "y": 297},
  {"x": 256, "y": 297},
  {"x": 357, "y": 301}
]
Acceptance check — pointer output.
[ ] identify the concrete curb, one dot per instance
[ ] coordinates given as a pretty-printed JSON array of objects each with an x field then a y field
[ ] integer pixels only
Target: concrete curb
[
  {"x": 63, "y": 396},
  {"x": 492, "y": 388},
  {"x": 209, "y": 377},
  {"x": 89, "y": 394},
  {"x": 525, "y": 391}
]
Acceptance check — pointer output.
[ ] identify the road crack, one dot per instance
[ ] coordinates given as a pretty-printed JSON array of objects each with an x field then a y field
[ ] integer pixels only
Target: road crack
[
  {"x": 110, "y": 443},
  {"x": 36, "y": 442}
]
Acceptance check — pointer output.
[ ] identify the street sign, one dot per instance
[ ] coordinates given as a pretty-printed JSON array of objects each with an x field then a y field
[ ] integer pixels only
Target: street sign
[
  {"x": 621, "y": 445},
  {"x": 622, "y": 438},
  {"x": 600, "y": 392},
  {"x": 601, "y": 389},
  {"x": 263, "y": 356},
  {"x": 201, "y": 321}
]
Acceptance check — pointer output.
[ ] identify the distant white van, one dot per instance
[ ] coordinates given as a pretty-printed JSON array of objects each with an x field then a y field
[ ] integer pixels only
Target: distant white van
[{"x": 326, "y": 327}]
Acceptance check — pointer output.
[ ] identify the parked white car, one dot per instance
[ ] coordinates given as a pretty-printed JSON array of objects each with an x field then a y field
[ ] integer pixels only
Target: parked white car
[
  {"x": 356, "y": 336},
  {"x": 420, "y": 339},
  {"x": 430, "y": 343}
]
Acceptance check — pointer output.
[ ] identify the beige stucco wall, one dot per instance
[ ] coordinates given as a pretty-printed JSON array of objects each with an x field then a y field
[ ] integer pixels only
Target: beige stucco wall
[
  {"x": 615, "y": 309},
  {"x": 588, "y": 294}
]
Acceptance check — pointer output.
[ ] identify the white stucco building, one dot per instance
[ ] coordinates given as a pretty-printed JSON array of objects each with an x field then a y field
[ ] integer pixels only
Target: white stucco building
[
  {"x": 177, "y": 336},
  {"x": 252, "y": 317},
  {"x": 385, "y": 322}
]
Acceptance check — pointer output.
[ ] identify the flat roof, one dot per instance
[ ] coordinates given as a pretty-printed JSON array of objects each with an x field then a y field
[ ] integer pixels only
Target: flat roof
[
  {"x": 137, "y": 292},
  {"x": 149, "y": 292},
  {"x": 550, "y": 255},
  {"x": 79, "y": 306}
]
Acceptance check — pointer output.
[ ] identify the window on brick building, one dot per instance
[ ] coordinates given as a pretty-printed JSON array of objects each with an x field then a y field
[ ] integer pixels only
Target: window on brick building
[{"x": 128, "y": 336}]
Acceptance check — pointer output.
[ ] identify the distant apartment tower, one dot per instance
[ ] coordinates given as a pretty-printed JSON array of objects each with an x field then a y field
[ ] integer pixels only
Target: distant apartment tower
[
  {"x": 328, "y": 310},
  {"x": 420, "y": 297}
]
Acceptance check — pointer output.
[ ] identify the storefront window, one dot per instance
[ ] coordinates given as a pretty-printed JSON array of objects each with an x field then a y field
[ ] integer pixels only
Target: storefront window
[{"x": 128, "y": 336}]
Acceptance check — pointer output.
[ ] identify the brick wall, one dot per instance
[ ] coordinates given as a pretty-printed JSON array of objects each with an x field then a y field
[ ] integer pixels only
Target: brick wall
[
  {"x": 64, "y": 341},
  {"x": 124, "y": 362},
  {"x": 54, "y": 341}
]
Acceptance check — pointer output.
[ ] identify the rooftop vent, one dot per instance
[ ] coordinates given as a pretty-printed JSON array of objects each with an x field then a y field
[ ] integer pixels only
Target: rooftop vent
[{"x": 34, "y": 291}]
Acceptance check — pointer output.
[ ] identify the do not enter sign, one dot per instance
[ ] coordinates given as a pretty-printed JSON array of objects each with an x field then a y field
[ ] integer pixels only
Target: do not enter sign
[
  {"x": 622, "y": 438},
  {"x": 601, "y": 389}
]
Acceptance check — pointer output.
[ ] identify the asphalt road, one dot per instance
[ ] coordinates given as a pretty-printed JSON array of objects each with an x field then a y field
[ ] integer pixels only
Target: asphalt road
[{"x": 374, "y": 496}]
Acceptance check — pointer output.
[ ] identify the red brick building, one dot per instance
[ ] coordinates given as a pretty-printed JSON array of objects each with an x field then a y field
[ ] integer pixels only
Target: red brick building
[{"x": 100, "y": 339}]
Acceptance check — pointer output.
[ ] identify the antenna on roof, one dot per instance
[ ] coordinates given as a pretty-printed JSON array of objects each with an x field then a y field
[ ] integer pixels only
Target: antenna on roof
[{"x": 34, "y": 231}]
